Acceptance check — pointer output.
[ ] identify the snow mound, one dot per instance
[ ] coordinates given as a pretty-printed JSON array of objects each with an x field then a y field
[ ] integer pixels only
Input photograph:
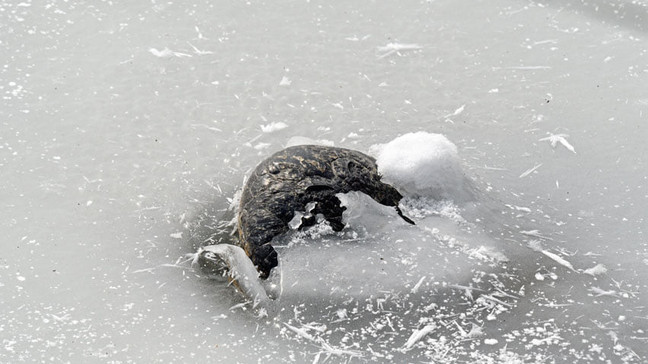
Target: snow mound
[{"x": 422, "y": 164}]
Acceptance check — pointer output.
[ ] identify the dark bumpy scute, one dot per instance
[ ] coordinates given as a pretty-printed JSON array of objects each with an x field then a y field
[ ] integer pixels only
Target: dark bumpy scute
[{"x": 290, "y": 179}]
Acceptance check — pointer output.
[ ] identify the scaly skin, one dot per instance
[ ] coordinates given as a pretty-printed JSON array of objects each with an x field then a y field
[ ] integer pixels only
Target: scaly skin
[{"x": 291, "y": 178}]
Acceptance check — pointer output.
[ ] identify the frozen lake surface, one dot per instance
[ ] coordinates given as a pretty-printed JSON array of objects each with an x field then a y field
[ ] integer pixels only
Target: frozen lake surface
[{"x": 127, "y": 129}]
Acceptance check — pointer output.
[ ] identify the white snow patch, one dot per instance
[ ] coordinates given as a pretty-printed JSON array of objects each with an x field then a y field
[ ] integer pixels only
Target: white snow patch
[{"x": 422, "y": 164}]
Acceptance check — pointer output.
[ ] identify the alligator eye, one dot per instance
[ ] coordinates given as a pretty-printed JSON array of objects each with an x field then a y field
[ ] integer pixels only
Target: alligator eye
[{"x": 354, "y": 168}]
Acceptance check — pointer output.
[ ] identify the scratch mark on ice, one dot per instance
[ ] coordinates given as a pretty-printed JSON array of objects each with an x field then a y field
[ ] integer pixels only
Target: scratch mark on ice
[
  {"x": 536, "y": 234},
  {"x": 198, "y": 51},
  {"x": 457, "y": 111},
  {"x": 418, "y": 285},
  {"x": 531, "y": 170}
]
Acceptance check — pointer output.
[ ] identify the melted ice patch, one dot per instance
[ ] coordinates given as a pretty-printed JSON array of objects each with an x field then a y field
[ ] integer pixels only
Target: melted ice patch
[{"x": 377, "y": 251}]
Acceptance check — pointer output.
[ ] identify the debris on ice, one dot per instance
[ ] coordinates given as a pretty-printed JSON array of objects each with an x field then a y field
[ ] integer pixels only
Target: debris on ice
[
  {"x": 285, "y": 81},
  {"x": 457, "y": 111},
  {"x": 167, "y": 53},
  {"x": 488, "y": 254},
  {"x": 518, "y": 208},
  {"x": 392, "y": 48},
  {"x": 535, "y": 233},
  {"x": 389, "y": 47},
  {"x": 537, "y": 246},
  {"x": 199, "y": 51},
  {"x": 274, "y": 126},
  {"x": 596, "y": 270},
  {"x": 554, "y": 139},
  {"x": 598, "y": 292},
  {"x": 355, "y": 38},
  {"x": 418, "y": 285},
  {"x": 417, "y": 335},
  {"x": 530, "y": 170},
  {"x": 490, "y": 341}
]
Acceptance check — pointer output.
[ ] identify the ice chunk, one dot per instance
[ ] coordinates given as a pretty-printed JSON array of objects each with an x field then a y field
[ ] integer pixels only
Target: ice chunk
[
  {"x": 422, "y": 164},
  {"x": 417, "y": 335},
  {"x": 596, "y": 270},
  {"x": 239, "y": 268},
  {"x": 296, "y": 221}
]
